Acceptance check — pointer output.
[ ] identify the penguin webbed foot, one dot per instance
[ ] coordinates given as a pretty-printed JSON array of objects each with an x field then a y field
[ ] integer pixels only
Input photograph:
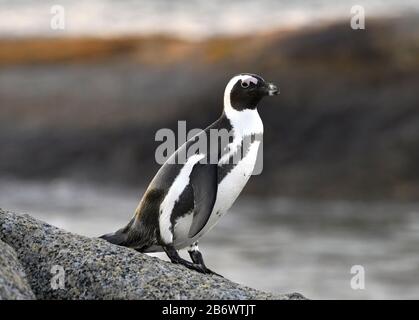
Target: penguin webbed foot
[
  {"x": 197, "y": 266},
  {"x": 197, "y": 258},
  {"x": 209, "y": 271}
]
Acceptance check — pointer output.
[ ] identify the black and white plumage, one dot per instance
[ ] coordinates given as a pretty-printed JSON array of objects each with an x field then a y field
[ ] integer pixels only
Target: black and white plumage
[{"x": 185, "y": 200}]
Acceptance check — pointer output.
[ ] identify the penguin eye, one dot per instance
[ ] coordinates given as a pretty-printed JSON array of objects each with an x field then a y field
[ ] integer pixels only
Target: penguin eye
[{"x": 245, "y": 84}]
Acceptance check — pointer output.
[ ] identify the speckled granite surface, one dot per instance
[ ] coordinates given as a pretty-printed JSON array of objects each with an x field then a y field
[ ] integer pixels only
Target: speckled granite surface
[
  {"x": 13, "y": 282},
  {"x": 96, "y": 269}
]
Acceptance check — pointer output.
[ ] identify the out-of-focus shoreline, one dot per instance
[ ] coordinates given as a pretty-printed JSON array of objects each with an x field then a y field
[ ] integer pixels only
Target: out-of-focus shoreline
[
  {"x": 161, "y": 48},
  {"x": 154, "y": 49},
  {"x": 183, "y": 18}
]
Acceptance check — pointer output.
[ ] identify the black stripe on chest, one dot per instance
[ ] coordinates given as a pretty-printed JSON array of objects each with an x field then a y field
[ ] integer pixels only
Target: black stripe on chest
[
  {"x": 241, "y": 152},
  {"x": 185, "y": 203}
]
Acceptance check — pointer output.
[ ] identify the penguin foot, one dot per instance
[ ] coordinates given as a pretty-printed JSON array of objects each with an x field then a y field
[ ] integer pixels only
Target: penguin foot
[
  {"x": 197, "y": 267},
  {"x": 193, "y": 266},
  {"x": 197, "y": 258},
  {"x": 175, "y": 258},
  {"x": 209, "y": 271}
]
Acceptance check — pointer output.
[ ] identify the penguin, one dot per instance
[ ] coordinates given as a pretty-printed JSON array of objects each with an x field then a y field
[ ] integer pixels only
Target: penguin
[{"x": 185, "y": 199}]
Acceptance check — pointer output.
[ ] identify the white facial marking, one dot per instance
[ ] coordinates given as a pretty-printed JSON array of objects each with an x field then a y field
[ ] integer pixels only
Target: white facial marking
[
  {"x": 244, "y": 122},
  {"x": 249, "y": 80},
  {"x": 167, "y": 205},
  {"x": 244, "y": 78}
]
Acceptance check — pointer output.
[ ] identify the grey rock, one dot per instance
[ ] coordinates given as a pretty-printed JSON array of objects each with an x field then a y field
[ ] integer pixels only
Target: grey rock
[
  {"x": 13, "y": 283},
  {"x": 95, "y": 269}
]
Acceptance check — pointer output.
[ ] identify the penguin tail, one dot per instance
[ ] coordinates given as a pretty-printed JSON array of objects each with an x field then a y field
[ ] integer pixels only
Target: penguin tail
[{"x": 118, "y": 238}]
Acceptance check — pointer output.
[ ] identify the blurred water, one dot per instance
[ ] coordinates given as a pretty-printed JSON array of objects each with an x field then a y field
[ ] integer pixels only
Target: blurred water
[
  {"x": 186, "y": 18},
  {"x": 279, "y": 245}
]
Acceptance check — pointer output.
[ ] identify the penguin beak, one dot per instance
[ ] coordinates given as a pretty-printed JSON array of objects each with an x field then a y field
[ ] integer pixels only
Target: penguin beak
[{"x": 271, "y": 89}]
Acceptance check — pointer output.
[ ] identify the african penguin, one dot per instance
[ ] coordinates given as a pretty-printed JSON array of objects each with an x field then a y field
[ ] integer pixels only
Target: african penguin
[{"x": 185, "y": 199}]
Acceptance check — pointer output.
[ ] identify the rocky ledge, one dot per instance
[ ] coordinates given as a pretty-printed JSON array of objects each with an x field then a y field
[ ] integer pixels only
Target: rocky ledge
[{"x": 40, "y": 261}]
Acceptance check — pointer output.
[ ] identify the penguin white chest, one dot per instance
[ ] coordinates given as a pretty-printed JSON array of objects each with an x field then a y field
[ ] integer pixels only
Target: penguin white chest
[
  {"x": 245, "y": 124},
  {"x": 228, "y": 191},
  {"x": 233, "y": 183}
]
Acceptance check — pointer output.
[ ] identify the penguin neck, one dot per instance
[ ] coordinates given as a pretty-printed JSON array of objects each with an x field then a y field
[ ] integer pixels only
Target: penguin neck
[{"x": 244, "y": 122}]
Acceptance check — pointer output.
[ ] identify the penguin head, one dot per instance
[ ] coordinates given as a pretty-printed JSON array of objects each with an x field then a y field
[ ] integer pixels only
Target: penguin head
[{"x": 245, "y": 90}]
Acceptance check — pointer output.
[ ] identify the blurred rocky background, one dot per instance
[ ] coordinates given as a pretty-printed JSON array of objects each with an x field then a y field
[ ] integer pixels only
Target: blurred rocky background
[
  {"x": 345, "y": 125},
  {"x": 341, "y": 160}
]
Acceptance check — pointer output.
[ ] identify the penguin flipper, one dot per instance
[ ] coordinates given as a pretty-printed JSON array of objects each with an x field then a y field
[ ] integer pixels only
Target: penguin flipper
[{"x": 204, "y": 183}]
